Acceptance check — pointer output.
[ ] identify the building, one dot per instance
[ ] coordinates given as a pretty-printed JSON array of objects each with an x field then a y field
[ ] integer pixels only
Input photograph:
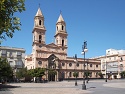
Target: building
[
  {"x": 15, "y": 56},
  {"x": 113, "y": 63},
  {"x": 54, "y": 55}
]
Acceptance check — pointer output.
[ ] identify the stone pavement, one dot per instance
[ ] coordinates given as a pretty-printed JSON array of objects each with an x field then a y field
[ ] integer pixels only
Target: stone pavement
[{"x": 65, "y": 87}]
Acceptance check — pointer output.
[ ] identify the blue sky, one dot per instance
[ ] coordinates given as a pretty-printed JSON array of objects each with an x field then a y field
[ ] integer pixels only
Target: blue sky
[{"x": 100, "y": 22}]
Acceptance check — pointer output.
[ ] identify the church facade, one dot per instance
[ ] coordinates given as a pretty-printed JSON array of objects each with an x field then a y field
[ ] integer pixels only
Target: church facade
[{"x": 54, "y": 55}]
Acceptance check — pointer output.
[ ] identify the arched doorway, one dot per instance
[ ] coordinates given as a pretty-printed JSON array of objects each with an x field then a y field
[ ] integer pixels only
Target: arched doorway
[{"x": 52, "y": 72}]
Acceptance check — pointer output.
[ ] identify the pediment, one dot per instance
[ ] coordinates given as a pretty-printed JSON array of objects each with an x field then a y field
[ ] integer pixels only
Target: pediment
[{"x": 52, "y": 45}]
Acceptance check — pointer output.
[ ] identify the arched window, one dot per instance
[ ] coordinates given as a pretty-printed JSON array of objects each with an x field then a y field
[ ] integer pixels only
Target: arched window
[
  {"x": 90, "y": 65},
  {"x": 57, "y": 28},
  {"x": 63, "y": 42},
  {"x": 40, "y": 37},
  {"x": 77, "y": 64},
  {"x": 63, "y": 64},
  {"x": 39, "y": 41},
  {"x": 70, "y": 74},
  {"x": 121, "y": 59},
  {"x": 39, "y": 22},
  {"x": 62, "y": 27}
]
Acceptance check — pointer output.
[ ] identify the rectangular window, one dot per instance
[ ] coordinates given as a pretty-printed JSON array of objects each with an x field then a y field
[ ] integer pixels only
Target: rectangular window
[
  {"x": 96, "y": 66},
  {"x": 90, "y": 65},
  {"x": 19, "y": 53},
  {"x": 4, "y": 51},
  {"x": 10, "y": 55},
  {"x": 11, "y": 63},
  {"x": 19, "y": 63}
]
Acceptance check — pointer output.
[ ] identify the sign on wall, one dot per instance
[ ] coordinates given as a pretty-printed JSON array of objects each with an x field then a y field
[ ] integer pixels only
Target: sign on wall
[{"x": 112, "y": 67}]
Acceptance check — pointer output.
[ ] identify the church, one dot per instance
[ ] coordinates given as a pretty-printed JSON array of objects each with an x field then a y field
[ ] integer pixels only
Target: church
[{"x": 54, "y": 55}]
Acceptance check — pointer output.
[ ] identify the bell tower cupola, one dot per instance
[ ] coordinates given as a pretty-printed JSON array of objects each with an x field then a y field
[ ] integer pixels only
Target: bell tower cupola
[{"x": 39, "y": 19}]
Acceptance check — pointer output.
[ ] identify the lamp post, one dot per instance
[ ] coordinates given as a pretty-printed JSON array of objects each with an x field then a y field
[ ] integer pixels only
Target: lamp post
[
  {"x": 87, "y": 73},
  {"x": 106, "y": 71},
  {"x": 84, "y": 50},
  {"x": 75, "y": 60}
]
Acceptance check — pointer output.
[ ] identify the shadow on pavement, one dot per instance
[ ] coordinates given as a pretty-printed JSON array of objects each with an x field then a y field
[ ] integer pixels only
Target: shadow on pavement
[{"x": 4, "y": 87}]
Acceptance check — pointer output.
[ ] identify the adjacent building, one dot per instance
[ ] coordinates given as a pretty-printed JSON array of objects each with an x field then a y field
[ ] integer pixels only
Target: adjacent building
[
  {"x": 15, "y": 56},
  {"x": 113, "y": 63},
  {"x": 54, "y": 55}
]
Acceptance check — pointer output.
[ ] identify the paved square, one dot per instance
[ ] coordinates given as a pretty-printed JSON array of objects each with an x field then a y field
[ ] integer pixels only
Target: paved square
[{"x": 65, "y": 87}]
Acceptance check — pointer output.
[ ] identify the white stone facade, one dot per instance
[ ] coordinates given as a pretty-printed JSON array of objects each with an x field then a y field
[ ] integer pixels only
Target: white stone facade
[
  {"x": 15, "y": 56},
  {"x": 115, "y": 62}
]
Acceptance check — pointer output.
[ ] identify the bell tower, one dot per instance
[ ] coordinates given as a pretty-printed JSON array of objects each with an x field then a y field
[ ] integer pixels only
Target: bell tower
[
  {"x": 39, "y": 29},
  {"x": 61, "y": 34},
  {"x": 38, "y": 36}
]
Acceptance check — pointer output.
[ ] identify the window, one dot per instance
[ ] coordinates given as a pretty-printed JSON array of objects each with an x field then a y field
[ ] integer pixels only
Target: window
[
  {"x": 39, "y": 22},
  {"x": 11, "y": 63},
  {"x": 63, "y": 64},
  {"x": 57, "y": 28},
  {"x": 70, "y": 74},
  {"x": 10, "y": 55},
  {"x": 90, "y": 65},
  {"x": 39, "y": 41},
  {"x": 96, "y": 74},
  {"x": 90, "y": 74},
  {"x": 70, "y": 64},
  {"x": 62, "y": 27},
  {"x": 84, "y": 65},
  {"x": 121, "y": 65},
  {"x": 77, "y": 64},
  {"x": 63, "y": 42},
  {"x": 19, "y": 63},
  {"x": 96, "y": 66},
  {"x": 40, "y": 37},
  {"x": 4, "y": 51},
  {"x": 121, "y": 59},
  {"x": 19, "y": 53}
]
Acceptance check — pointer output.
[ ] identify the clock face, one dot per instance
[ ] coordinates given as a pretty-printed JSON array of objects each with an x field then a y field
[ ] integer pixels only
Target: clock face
[{"x": 40, "y": 46}]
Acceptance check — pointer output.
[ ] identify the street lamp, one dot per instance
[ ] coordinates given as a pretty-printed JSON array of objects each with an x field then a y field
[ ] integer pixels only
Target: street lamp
[
  {"x": 106, "y": 71},
  {"x": 84, "y": 50},
  {"x": 75, "y": 60},
  {"x": 87, "y": 74}
]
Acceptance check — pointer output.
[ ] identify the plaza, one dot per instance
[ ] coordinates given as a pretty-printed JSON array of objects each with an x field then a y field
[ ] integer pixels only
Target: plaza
[{"x": 115, "y": 86}]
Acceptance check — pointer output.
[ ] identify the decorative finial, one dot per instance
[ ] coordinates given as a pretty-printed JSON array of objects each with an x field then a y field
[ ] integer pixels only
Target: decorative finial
[
  {"x": 60, "y": 12},
  {"x": 39, "y": 5}
]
